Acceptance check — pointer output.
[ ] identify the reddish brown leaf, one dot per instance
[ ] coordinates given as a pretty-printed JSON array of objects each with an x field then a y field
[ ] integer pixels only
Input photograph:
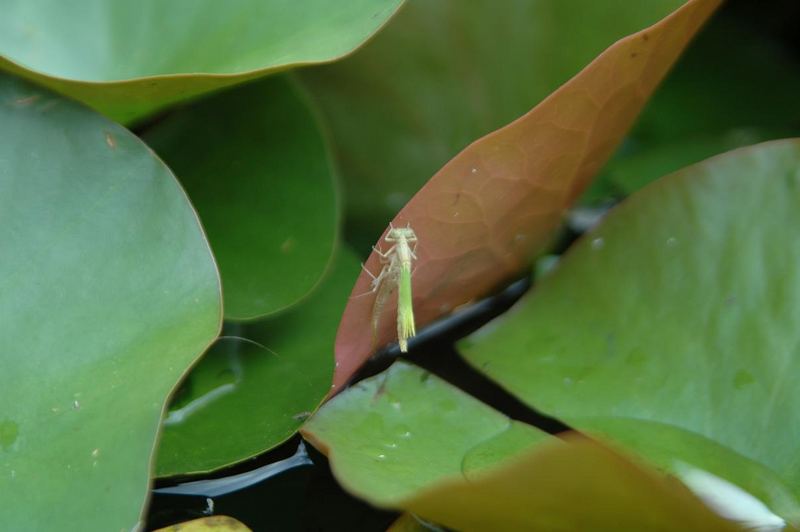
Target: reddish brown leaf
[
  {"x": 576, "y": 484},
  {"x": 489, "y": 211}
]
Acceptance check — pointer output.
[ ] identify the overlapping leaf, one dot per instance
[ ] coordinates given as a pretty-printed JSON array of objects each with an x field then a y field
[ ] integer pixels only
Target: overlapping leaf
[
  {"x": 482, "y": 217},
  {"x": 405, "y": 439},
  {"x": 567, "y": 486},
  {"x": 403, "y": 430},
  {"x": 694, "y": 115},
  {"x": 672, "y": 327},
  {"x": 247, "y": 396},
  {"x": 255, "y": 166},
  {"x": 109, "y": 293},
  {"x": 445, "y": 73},
  {"x": 129, "y": 58}
]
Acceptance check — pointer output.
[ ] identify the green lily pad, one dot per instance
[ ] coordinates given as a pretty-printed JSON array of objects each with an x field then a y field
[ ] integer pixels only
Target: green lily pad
[
  {"x": 255, "y": 166},
  {"x": 445, "y": 73},
  {"x": 129, "y": 58},
  {"x": 405, "y": 439},
  {"x": 403, "y": 430},
  {"x": 245, "y": 397},
  {"x": 672, "y": 327},
  {"x": 109, "y": 293}
]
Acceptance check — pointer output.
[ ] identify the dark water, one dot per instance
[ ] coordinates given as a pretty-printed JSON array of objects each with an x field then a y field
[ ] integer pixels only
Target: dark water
[{"x": 298, "y": 494}]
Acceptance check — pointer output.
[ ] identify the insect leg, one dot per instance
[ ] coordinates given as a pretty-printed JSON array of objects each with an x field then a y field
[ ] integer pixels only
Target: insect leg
[
  {"x": 412, "y": 250},
  {"x": 377, "y": 280},
  {"x": 382, "y": 254}
]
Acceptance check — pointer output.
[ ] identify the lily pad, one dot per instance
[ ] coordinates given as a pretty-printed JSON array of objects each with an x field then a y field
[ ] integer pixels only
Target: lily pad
[
  {"x": 393, "y": 434},
  {"x": 261, "y": 389},
  {"x": 109, "y": 293},
  {"x": 672, "y": 327},
  {"x": 256, "y": 167},
  {"x": 487, "y": 213},
  {"x": 403, "y": 439},
  {"x": 129, "y": 58}
]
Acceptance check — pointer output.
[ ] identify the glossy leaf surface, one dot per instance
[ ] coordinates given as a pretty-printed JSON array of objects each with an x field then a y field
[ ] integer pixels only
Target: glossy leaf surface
[
  {"x": 255, "y": 166},
  {"x": 243, "y": 397},
  {"x": 672, "y": 326},
  {"x": 400, "y": 431},
  {"x": 566, "y": 486},
  {"x": 484, "y": 216},
  {"x": 109, "y": 293},
  {"x": 129, "y": 58},
  {"x": 406, "y": 439}
]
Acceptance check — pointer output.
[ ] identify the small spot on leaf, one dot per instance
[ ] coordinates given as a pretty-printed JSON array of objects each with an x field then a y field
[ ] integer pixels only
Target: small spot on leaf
[
  {"x": 742, "y": 379},
  {"x": 22, "y": 102},
  {"x": 9, "y": 431},
  {"x": 288, "y": 245}
]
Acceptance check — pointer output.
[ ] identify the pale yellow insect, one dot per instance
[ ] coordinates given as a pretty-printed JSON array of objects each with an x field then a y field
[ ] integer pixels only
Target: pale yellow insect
[{"x": 396, "y": 272}]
